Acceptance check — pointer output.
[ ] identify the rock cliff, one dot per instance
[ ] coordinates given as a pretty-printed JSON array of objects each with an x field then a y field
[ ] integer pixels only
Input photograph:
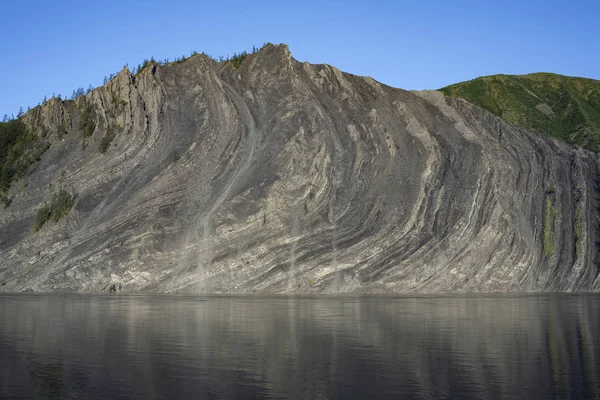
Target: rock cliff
[{"x": 287, "y": 177}]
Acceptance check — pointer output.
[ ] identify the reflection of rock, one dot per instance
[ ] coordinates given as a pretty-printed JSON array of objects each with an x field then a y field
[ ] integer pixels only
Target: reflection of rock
[
  {"x": 289, "y": 173},
  {"x": 49, "y": 378},
  {"x": 301, "y": 348}
]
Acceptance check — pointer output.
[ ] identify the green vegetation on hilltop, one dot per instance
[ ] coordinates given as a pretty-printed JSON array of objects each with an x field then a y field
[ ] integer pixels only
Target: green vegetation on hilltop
[
  {"x": 564, "y": 107},
  {"x": 236, "y": 60}
]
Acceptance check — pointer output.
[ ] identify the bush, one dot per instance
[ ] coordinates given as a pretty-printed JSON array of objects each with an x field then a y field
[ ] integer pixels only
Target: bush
[
  {"x": 19, "y": 149},
  {"x": 105, "y": 143},
  {"x": 107, "y": 139},
  {"x": 118, "y": 104},
  {"x": 145, "y": 64},
  {"x": 238, "y": 59},
  {"x": 87, "y": 122},
  {"x": 61, "y": 204},
  {"x": 5, "y": 200},
  {"x": 548, "y": 225}
]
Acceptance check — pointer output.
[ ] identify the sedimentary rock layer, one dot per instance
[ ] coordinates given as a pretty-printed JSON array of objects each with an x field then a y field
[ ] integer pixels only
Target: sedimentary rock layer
[{"x": 283, "y": 176}]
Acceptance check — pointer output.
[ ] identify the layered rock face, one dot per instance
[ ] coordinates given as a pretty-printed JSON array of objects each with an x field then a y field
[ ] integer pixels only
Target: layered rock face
[{"x": 287, "y": 177}]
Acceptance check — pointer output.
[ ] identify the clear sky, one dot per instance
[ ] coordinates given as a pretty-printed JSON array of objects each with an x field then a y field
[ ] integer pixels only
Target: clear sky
[{"x": 56, "y": 46}]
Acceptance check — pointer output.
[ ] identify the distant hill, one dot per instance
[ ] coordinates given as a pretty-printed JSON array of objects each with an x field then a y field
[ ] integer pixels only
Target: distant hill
[{"x": 564, "y": 107}]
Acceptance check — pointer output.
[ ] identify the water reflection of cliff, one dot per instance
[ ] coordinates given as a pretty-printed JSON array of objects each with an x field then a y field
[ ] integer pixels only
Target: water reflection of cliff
[{"x": 157, "y": 347}]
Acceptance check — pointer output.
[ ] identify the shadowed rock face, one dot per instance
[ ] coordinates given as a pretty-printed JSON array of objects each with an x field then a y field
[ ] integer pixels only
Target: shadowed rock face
[{"x": 283, "y": 176}]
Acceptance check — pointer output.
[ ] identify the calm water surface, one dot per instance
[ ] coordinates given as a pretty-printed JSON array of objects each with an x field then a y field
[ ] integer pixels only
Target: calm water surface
[{"x": 498, "y": 347}]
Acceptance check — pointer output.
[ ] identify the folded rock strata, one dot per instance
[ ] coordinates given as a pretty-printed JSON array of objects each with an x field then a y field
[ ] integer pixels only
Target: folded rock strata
[{"x": 287, "y": 177}]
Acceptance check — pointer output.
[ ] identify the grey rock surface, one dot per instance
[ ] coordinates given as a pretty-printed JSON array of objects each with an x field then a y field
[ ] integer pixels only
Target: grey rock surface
[{"x": 287, "y": 177}]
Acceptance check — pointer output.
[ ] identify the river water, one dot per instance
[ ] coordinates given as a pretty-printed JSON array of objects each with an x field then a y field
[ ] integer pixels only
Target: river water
[{"x": 150, "y": 347}]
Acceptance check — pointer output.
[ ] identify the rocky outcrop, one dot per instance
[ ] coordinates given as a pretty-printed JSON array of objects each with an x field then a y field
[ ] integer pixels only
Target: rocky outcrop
[{"x": 283, "y": 176}]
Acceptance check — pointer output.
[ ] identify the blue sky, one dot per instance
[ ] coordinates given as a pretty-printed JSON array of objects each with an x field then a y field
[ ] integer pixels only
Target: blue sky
[{"x": 56, "y": 46}]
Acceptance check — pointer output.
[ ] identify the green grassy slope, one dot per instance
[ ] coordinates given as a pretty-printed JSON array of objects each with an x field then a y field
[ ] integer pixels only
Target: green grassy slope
[{"x": 564, "y": 107}]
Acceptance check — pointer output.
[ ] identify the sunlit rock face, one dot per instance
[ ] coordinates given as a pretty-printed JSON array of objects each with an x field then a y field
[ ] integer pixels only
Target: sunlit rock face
[{"x": 283, "y": 176}]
